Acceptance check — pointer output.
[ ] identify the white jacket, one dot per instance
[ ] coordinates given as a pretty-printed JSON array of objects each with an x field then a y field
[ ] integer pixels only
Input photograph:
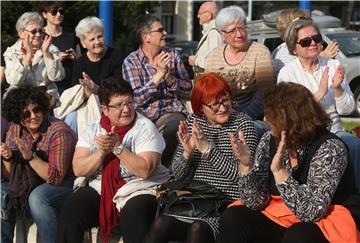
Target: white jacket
[{"x": 42, "y": 72}]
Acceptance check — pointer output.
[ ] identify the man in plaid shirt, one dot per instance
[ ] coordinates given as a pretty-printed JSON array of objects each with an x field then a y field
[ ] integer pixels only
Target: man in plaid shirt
[
  {"x": 36, "y": 162},
  {"x": 159, "y": 80}
]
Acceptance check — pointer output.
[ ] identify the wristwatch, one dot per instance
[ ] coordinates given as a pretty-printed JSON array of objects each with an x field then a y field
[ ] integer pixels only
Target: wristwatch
[{"x": 117, "y": 151}]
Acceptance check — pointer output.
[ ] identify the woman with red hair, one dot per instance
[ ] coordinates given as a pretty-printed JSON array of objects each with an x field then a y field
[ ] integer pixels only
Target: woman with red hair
[{"x": 205, "y": 151}]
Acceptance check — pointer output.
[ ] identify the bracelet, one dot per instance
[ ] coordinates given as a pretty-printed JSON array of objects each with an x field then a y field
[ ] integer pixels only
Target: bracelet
[
  {"x": 7, "y": 160},
  {"x": 206, "y": 153}
]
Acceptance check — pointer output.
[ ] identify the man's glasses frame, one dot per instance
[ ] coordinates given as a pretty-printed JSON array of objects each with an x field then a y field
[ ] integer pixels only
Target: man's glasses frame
[
  {"x": 306, "y": 42},
  {"x": 160, "y": 30}
]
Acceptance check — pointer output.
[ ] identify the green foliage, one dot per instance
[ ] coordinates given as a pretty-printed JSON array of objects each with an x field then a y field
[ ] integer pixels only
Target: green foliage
[{"x": 124, "y": 14}]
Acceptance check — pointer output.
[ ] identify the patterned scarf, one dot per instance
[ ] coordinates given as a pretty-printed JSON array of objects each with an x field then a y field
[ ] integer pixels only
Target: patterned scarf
[{"x": 111, "y": 181}]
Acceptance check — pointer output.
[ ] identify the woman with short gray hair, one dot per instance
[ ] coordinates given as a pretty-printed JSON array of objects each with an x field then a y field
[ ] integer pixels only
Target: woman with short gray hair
[
  {"x": 230, "y": 15},
  {"x": 98, "y": 63},
  {"x": 246, "y": 65},
  {"x": 324, "y": 77},
  {"x": 33, "y": 60},
  {"x": 87, "y": 25}
]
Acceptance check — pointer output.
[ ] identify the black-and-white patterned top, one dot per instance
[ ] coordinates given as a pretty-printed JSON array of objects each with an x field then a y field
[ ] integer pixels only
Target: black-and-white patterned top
[
  {"x": 309, "y": 202},
  {"x": 221, "y": 167}
]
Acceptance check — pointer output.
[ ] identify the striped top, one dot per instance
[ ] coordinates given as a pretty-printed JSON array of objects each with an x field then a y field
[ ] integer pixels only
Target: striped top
[{"x": 221, "y": 167}]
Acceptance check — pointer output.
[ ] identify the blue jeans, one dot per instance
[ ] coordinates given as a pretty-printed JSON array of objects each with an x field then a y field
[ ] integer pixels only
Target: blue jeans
[
  {"x": 71, "y": 120},
  {"x": 261, "y": 127},
  {"x": 44, "y": 202},
  {"x": 353, "y": 144},
  {"x": 8, "y": 214}
]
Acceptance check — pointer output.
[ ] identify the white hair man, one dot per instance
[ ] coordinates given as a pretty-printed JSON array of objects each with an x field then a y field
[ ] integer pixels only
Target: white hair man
[{"x": 211, "y": 38}]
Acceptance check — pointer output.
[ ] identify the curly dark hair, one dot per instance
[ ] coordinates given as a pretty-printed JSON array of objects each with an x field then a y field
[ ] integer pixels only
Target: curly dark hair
[
  {"x": 113, "y": 86},
  {"x": 18, "y": 99},
  {"x": 292, "y": 108}
]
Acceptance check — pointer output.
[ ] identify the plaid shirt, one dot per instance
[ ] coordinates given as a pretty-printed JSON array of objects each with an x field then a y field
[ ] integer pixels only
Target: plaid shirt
[
  {"x": 56, "y": 142},
  {"x": 155, "y": 101}
]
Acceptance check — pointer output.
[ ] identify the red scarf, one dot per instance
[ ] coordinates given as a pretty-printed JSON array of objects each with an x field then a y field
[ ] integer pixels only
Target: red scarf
[
  {"x": 23, "y": 49},
  {"x": 111, "y": 181}
]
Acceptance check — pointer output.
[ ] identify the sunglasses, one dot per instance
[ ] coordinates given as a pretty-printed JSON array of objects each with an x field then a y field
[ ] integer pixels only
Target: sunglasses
[
  {"x": 27, "y": 114},
  {"x": 55, "y": 11},
  {"x": 160, "y": 30},
  {"x": 34, "y": 31},
  {"x": 306, "y": 42}
]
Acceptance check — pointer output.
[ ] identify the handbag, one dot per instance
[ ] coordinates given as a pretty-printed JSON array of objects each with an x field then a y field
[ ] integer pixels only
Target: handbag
[{"x": 190, "y": 199}]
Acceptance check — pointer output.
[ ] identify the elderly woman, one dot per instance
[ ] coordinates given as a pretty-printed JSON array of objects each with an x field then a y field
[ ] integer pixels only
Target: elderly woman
[
  {"x": 205, "y": 151},
  {"x": 53, "y": 13},
  {"x": 35, "y": 161},
  {"x": 324, "y": 77},
  {"x": 33, "y": 60},
  {"x": 120, "y": 153},
  {"x": 98, "y": 63},
  {"x": 299, "y": 172},
  {"x": 281, "y": 54},
  {"x": 247, "y": 66}
]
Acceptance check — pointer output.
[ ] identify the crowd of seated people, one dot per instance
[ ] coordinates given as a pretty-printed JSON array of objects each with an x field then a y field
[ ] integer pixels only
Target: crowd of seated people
[{"x": 93, "y": 151}]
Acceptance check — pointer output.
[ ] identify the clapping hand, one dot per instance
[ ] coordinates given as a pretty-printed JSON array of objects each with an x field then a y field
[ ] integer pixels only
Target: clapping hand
[
  {"x": 45, "y": 46},
  {"x": 162, "y": 62},
  {"x": 200, "y": 139},
  {"x": 338, "y": 77},
  {"x": 24, "y": 149},
  {"x": 241, "y": 151},
  {"x": 331, "y": 50},
  {"x": 5, "y": 151},
  {"x": 107, "y": 142},
  {"x": 88, "y": 84},
  {"x": 186, "y": 140},
  {"x": 277, "y": 165}
]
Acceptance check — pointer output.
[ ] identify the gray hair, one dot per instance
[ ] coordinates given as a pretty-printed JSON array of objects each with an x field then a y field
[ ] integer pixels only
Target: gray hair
[
  {"x": 230, "y": 15},
  {"x": 27, "y": 18},
  {"x": 87, "y": 25},
  {"x": 143, "y": 24},
  {"x": 291, "y": 33}
]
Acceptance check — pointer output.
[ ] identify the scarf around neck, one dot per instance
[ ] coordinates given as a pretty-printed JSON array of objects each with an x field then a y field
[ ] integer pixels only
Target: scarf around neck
[{"x": 111, "y": 181}]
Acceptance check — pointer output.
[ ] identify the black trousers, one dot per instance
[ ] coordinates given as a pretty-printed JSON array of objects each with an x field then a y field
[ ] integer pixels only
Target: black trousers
[
  {"x": 241, "y": 225},
  {"x": 81, "y": 212}
]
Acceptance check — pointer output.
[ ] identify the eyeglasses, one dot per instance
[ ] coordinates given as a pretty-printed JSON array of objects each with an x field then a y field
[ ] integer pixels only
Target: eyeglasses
[
  {"x": 160, "y": 30},
  {"x": 27, "y": 114},
  {"x": 55, "y": 11},
  {"x": 306, "y": 42},
  {"x": 234, "y": 30},
  {"x": 215, "y": 107},
  {"x": 121, "y": 106},
  {"x": 34, "y": 31}
]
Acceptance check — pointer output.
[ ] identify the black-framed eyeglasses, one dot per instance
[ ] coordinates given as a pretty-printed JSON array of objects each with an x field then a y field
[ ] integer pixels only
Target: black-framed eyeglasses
[
  {"x": 27, "y": 114},
  {"x": 216, "y": 106},
  {"x": 53, "y": 12},
  {"x": 129, "y": 104},
  {"x": 34, "y": 31},
  {"x": 160, "y": 30},
  {"x": 236, "y": 29},
  {"x": 306, "y": 42}
]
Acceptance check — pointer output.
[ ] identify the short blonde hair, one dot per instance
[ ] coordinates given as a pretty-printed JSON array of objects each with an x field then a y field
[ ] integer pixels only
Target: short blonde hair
[{"x": 286, "y": 17}]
